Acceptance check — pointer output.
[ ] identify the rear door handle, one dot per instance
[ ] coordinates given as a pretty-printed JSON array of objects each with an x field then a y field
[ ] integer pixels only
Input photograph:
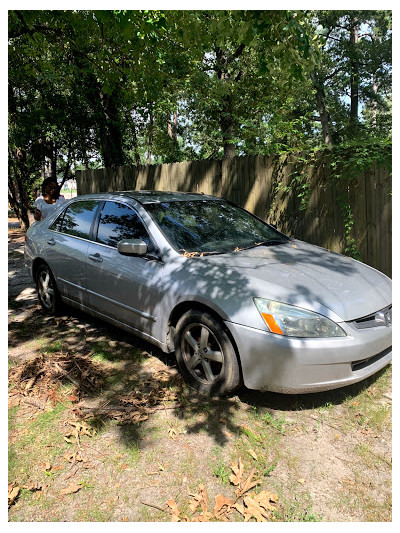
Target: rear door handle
[
  {"x": 96, "y": 257},
  {"x": 51, "y": 241}
]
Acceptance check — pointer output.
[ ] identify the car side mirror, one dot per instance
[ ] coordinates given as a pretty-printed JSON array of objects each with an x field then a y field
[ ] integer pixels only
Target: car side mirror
[{"x": 132, "y": 247}]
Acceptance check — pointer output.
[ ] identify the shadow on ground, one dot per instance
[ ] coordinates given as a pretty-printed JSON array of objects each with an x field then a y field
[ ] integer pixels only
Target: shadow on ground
[{"x": 133, "y": 378}]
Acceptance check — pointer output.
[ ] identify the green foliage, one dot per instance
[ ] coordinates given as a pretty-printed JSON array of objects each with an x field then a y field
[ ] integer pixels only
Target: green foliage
[
  {"x": 106, "y": 88},
  {"x": 344, "y": 163}
]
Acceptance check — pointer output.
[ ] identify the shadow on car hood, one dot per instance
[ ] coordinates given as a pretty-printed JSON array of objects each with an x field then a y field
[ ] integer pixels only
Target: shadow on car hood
[{"x": 303, "y": 274}]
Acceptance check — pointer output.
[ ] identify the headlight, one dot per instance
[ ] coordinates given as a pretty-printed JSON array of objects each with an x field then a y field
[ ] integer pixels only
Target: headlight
[{"x": 293, "y": 321}]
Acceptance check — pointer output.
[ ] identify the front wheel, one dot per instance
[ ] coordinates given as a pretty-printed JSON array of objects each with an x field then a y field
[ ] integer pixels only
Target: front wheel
[
  {"x": 48, "y": 294},
  {"x": 205, "y": 355}
]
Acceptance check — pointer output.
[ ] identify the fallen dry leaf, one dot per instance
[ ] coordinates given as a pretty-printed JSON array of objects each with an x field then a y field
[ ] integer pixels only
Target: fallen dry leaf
[
  {"x": 247, "y": 485},
  {"x": 72, "y": 398},
  {"x": 71, "y": 488},
  {"x": 174, "y": 510},
  {"x": 203, "y": 517},
  {"x": 199, "y": 499},
  {"x": 222, "y": 507},
  {"x": 252, "y": 508},
  {"x": 259, "y": 506},
  {"x": 33, "y": 487},
  {"x": 266, "y": 499},
  {"x": 237, "y": 479},
  {"x": 237, "y": 470},
  {"x": 253, "y": 454},
  {"x": 240, "y": 508},
  {"x": 301, "y": 481},
  {"x": 13, "y": 491},
  {"x": 172, "y": 432},
  {"x": 73, "y": 458}
]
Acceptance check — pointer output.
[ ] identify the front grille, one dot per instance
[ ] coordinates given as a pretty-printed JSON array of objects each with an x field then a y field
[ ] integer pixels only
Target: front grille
[
  {"x": 359, "y": 365},
  {"x": 374, "y": 320}
]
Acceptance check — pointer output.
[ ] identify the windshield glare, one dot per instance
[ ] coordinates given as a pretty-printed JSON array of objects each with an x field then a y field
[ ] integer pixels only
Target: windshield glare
[{"x": 211, "y": 226}]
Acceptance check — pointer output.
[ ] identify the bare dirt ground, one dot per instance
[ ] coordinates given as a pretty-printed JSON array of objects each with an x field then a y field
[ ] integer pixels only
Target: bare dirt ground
[{"x": 102, "y": 428}]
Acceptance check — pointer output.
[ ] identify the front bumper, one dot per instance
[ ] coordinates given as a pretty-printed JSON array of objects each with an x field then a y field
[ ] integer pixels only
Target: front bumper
[{"x": 291, "y": 365}]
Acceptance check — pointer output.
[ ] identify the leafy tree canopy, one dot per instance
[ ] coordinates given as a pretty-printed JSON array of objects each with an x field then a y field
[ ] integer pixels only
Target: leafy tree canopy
[{"x": 106, "y": 88}]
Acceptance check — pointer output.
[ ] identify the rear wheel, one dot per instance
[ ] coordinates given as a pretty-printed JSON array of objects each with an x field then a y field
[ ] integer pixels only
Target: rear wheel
[
  {"x": 48, "y": 294},
  {"x": 205, "y": 355}
]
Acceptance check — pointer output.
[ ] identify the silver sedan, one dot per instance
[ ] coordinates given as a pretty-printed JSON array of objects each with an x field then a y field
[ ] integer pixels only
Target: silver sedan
[{"x": 238, "y": 301}]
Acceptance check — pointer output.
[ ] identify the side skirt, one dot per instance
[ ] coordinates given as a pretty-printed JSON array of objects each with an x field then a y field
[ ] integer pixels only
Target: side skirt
[{"x": 162, "y": 345}]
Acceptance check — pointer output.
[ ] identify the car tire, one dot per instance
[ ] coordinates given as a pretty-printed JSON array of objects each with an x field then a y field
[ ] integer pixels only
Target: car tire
[
  {"x": 49, "y": 297},
  {"x": 205, "y": 354}
]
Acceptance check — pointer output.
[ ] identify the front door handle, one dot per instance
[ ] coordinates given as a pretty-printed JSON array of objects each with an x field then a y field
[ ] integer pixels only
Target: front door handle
[
  {"x": 51, "y": 241},
  {"x": 96, "y": 257}
]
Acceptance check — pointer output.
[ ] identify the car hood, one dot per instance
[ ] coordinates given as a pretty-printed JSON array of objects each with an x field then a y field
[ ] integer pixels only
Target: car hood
[{"x": 310, "y": 277}]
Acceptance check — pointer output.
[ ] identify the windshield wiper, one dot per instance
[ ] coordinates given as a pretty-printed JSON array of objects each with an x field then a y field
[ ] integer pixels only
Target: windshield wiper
[{"x": 269, "y": 242}]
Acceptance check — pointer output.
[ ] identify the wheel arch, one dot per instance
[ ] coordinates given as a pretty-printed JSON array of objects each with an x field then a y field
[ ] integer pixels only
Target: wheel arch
[
  {"x": 181, "y": 308},
  {"x": 36, "y": 264}
]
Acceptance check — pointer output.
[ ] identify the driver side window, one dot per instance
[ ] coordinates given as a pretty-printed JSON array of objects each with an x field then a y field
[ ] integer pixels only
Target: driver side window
[{"x": 119, "y": 221}]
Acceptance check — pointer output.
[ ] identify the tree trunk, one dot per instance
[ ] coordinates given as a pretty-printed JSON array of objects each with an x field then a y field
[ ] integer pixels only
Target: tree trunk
[
  {"x": 68, "y": 164},
  {"x": 175, "y": 128},
  {"x": 110, "y": 133},
  {"x": 150, "y": 139},
  {"x": 53, "y": 160},
  {"x": 227, "y": 128},
  {"x": 374, "y": 100},
  {"x": 105, "y": 107},
  {"x": 354, "y": 75},
  {"x": 18, "y": 196},
  {"x": 226, "y": 117},
  {"x": 323, "y": 113},
  {"x": 130, "y": 119}
]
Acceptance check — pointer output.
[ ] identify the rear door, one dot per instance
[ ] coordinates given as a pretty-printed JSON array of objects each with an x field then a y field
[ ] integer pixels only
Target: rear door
[
  {"x": 68, "y": 241},
  {"x": 126, "y": 288}
]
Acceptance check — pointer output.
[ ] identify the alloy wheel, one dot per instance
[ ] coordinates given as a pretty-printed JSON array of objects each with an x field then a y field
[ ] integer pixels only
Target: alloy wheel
[
  {"x": 46, "y": 289},
  {"x": 202, "y": 353}
]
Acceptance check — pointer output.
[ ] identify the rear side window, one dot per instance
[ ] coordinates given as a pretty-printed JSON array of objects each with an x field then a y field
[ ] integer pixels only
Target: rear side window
[
  {"x": 77, "y": 219},
  {"x": 119, "y": 221},
  {"x": 56, "y": 225}
]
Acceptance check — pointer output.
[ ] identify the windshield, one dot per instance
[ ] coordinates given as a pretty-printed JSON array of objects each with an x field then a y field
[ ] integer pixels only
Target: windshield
[{"x": 211, "y": 226}]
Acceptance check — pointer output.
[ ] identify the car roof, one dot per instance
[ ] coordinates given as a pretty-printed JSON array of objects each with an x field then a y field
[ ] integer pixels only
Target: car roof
[{"x": 150, "y": 197}]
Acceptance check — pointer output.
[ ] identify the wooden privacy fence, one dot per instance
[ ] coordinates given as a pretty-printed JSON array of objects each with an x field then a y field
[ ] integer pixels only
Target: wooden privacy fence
[{"x": 265, "y": 185}]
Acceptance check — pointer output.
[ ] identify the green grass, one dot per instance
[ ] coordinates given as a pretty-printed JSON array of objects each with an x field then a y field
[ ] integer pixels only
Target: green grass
[
  {"x": 53, "y": 347},
  {"x": 103, "y": 353},
  {"x": 221, "y": 472},
  {"x": 39, "y": 441}
]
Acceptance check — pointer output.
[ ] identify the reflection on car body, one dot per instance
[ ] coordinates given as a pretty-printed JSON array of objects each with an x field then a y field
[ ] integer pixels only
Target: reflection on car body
[{"x": 238, "y": 301}]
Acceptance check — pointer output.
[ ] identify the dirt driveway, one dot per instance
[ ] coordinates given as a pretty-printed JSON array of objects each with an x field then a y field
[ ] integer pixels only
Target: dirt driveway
[{"x": 101, "y": 428}]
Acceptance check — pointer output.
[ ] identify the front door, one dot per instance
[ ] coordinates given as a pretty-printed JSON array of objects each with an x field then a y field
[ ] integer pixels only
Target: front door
[{"x": 126, "y": 288}]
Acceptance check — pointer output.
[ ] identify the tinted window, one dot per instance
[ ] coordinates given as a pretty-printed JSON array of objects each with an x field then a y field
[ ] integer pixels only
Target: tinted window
[
  {"x": 58, "y": 222},
  {"x": 78, "y": 218},
  {"x": 117, "y": 222},
  {"x": 205, "y": 226}
]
